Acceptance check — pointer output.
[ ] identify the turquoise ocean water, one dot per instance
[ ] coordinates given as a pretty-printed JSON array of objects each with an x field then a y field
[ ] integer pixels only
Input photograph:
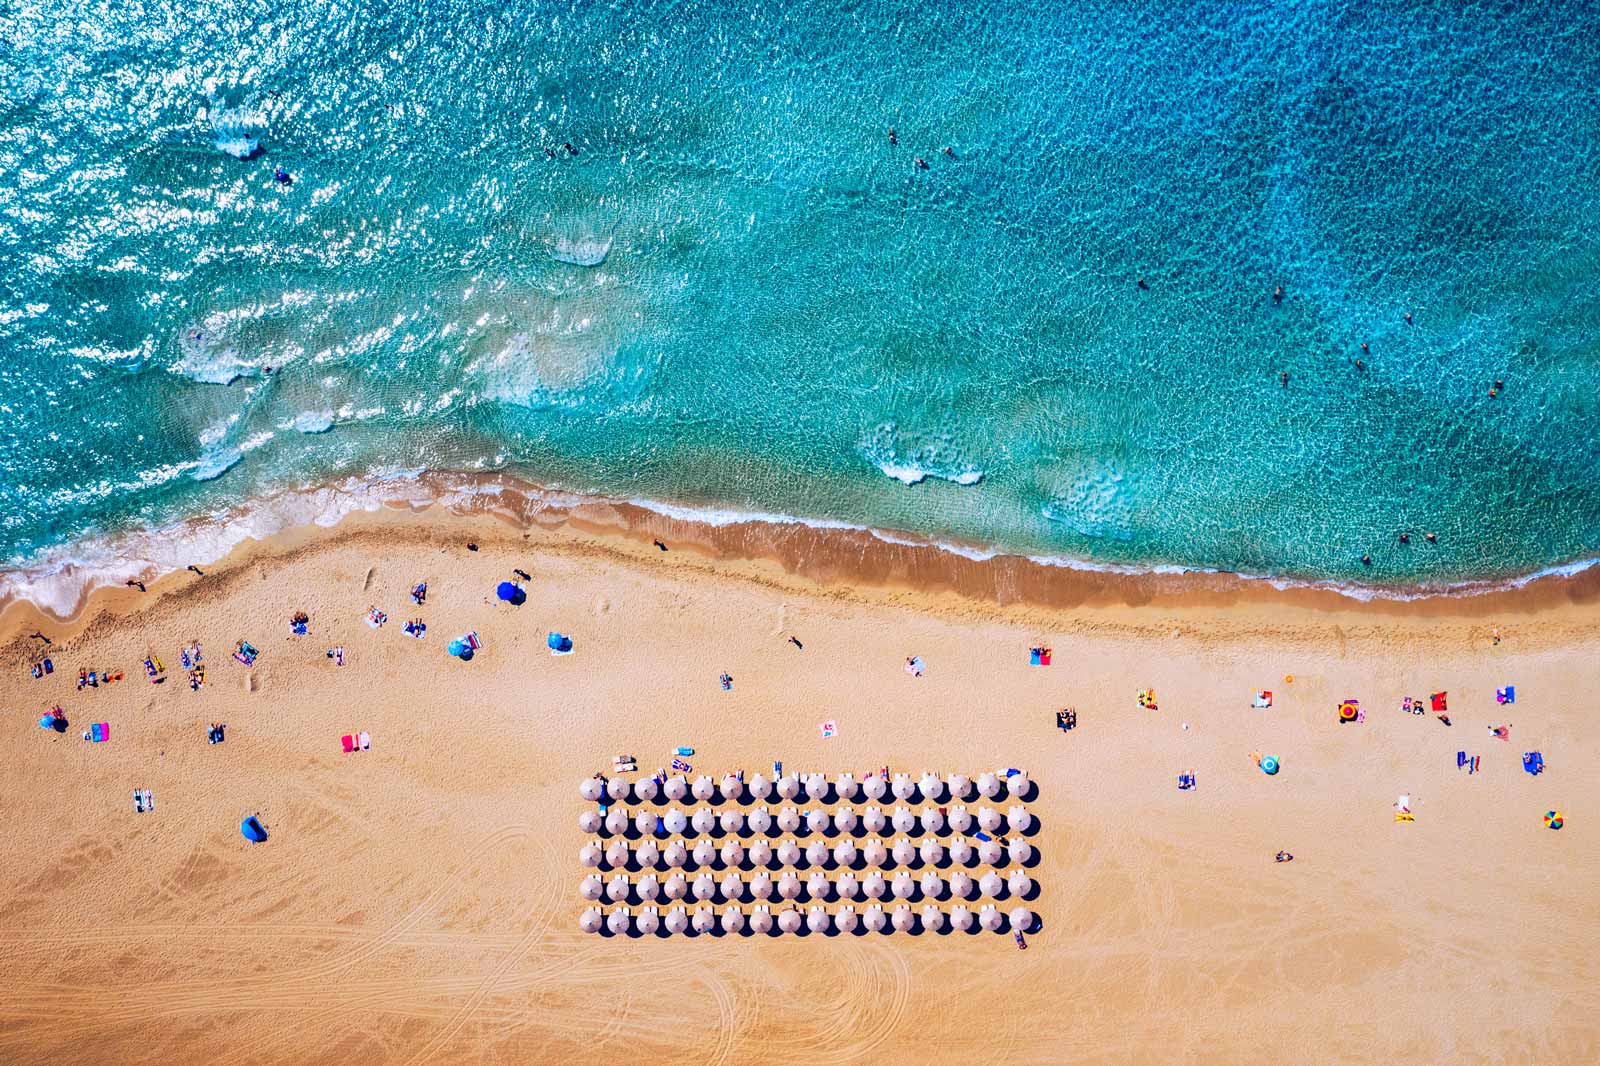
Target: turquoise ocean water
[{"x": 735, "y": 292}]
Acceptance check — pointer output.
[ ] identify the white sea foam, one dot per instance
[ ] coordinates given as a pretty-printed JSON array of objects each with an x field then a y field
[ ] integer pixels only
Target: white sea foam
[
  {"x": 584, "y": 252},
  {"x": 309, "y": 422},
  {"x": 911, "y": 458},
  {"x": 216, "y": 462}
]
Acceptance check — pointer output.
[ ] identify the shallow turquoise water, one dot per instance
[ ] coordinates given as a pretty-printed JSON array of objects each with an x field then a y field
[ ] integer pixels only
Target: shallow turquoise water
[{"x": 738, "y": 293}]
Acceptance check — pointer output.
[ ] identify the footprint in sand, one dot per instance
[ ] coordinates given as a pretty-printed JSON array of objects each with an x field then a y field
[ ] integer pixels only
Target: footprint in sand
[
  {"x": 602, "y": 606},
  {"x": 366, "y": 582},
  {"x": 252, "y": 683}
]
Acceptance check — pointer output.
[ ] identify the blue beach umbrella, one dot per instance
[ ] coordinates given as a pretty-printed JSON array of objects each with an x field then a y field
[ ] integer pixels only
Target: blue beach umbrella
[
  {"x": 511, "y": 593},
  {"x": 1269, "y": 764},
  {"x": 456, "y": 648},
  {"x": 253, "y": 830}
]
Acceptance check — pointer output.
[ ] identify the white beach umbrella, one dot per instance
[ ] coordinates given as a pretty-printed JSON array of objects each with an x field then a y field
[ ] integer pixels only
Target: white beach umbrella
[
  {"x": 760, "y": 852},
  {"x": 875, "y": 787},
  {"x": 647, "y": 854},
  {"x": 732, "y": 787},
  {"x": 648, "y": 887},
  {"x": 704, "y": 820},
  {"x": 789, "y": 920},
  {"x": 817, "y": 821},
  {"x": 589, "y": 820},
  {"x": 703, "y": 788},
  {"x": 903, "y": 851},
  {"x": 989, "y": 851},
  {"x": 705, "y": 853},
  {"x": 644, "y": 822},
  {"x": 903, "y": 886},
  {"x": 872, "y": 820},
  {"x": 845, "y": 919},
  {"x": 761, "y": 885},
  {"x": 591, "y": 789},
  {"x": 903, "y": 820},
  {"x": 676, "y": 821},
  {"x": 618, "y": 790},
  {"x": 675, "y": 887},
  {"x": 903, "y": 787},
  {"x": 988, "y": 819},
  {"x": 788, "y": 786},
  {"x": 760, "y": 820},
  {"x": 648, "y": 921},
  {"x": 732, "y": 886},
  {"x": 931, "y": 884},
  {"x": 989, "y": 917},
  {"x": 645, "y": 789},
  {"x": 1021, "y": 919},
  {"x": 591, "y": 853},
  {"x": 960, "y": 918},
  {"x": 788, "y": 820},
  {"x": 788, "y": 885},
  {"x": 618, "y": 921},
  {"x": 1019, "y": 850},
  {"x": 847, "y": 886},
  {"x": 1017, "y": 785},
  {"x": 816, "y": 853},
  {"x": 732, "y": 821},
  {"x": 960, "y": 851},
  {"x": 732, "y": 853},
  {"x": 874, "y": 885},
  {"x": 591, "y": 888},
  {"x": 960, "y": 786},
  {"x": 676, "y": 854},
  {"x": 591, "y": 920},
  {"x": 760, "y": 787},
  {"x": 903, "y": 919},
  {"x": 677, "y": 920},
  {"x": 844, "y": 853},
  {"x": 761, "y": 920},
  {"x": 676, "y": 788},
  {"x": 788, "y": 853},
  {"x": 932, "y": 919},
  {"x": 960, "y": 820},
  {"x": 1019, "y": 884},
  {"x": 932, "y": 819},
  {"x": 960, "y": 885},
  {"x": 617, "y": 821},
  {"x": 989, "y": 785},
  {"x": 875, "y": 853},
  {"x": 617, "y": 889},
  {"x": 705, "y": 886},
  {"x": 845, "y": 819},
  {"x": 1018, "y": 818},
  {"x": 732, "y": 919},
  {"x": 816, "y": 787},
  {"x": 617, "y": 855},
  {"x": 817, "y": 885},
  {"x": 846, "y": 787},
  {"x": 990, "y": 884},
  {"x": 930, "y": 786},
  {"x": 874, "y": 919},
  {"x": 705, "y": 919}
]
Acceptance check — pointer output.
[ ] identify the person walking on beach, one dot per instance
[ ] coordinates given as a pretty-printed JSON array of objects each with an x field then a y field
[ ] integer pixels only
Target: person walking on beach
[
  {"x": 796, "y": 642},
  {"x": 135, "y": 584}
]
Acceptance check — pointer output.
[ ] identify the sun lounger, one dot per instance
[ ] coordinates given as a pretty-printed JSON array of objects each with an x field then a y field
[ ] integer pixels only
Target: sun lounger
[
  {"x": 138, "y": 802},
  {"x": 348, "y": 742},
  {"x": 365, "y": 740},
  {"x": 149, "y": 800},
  {"x": 1263, "y": 700}
]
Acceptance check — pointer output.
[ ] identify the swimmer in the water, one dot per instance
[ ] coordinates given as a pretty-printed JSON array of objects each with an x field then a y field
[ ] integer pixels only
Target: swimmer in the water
[
  {"x": 570, "y": 150},
  {"x": 1405, "y": 538},
  {"x": 1144, "y": 285},
  {"x": 1433, "y": 538},
  {"x": 281, "y": 176},
  {"x": 1408, "y": 316},
  {"x": 1366, "y": 560},
  {"x": 1283, "y": 379},
  {"x": 922, "y": 164},
  {"x": 947, "y": 150},
  {"x": 1365, "y": 348},
  {"x": 893, "y": 137},
  {"x": 1277, "y": 294},
  {"x": 1360, "y": 365}
]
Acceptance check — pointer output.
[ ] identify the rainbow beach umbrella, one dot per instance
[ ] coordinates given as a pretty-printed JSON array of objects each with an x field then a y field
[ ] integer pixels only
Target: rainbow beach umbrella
[{"x": 1554, "y": 820}]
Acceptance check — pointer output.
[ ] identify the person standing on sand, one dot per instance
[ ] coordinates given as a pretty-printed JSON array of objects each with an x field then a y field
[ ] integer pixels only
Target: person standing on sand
[{"x": 796, "y": 642}]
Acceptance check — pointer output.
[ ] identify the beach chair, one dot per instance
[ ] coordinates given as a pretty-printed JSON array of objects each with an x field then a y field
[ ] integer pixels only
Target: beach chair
[
  {"x": 1262, "y": 701},
  {"x": 347, "y": 742},
  {"x": 138, "y": 802},
  {"x": 365, "y": 740},
  {"x": 149, "y": 800}
]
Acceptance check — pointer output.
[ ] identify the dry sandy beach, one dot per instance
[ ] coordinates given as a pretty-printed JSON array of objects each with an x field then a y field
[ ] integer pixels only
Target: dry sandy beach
[{"x": 418, "y": 902}]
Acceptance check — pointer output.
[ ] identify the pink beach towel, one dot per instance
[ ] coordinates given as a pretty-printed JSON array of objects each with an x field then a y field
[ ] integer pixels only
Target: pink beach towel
[{"x": 348, "y": 742}]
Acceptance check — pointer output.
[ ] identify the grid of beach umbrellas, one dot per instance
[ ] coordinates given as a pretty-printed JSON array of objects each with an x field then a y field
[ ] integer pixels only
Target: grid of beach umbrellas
[{"x": 808, "y": 854}]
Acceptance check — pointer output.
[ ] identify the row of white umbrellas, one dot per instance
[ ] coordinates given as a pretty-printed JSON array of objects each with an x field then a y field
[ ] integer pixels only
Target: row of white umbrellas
[
  {"x": 930, "y": 819},
  {"x": 677, "y": 854},
  {"x": 789, "y": 885},
  {"x": 815, "y": 786},
  {"x": 817, "y": 919}
]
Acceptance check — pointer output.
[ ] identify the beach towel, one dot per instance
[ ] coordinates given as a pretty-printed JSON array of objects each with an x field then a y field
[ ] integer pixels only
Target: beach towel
[
  {"x": 1439, "y": 702},
  {"x": 914, "y": 666},
  {"x": 1533, "y": 762},
  {"x": 197, "y": 678},
  {"x": 347, "y": 742},
  {"x": 419, "y": 593},
  {"x": 1147, "y": 699},
  {"x": 1506, "y": 695},
  {"x": 99, "y": 732},
  {"x": 1404, "y": 816},
  {"x": 1067, "y": 719},
  {"x": 376, "y": 618},
  {"x": 365, "y": 740},
  {"x": 1263, "y": 700},
  {"x": 1039, "y": 656},
  {"x": 682, "y": 767},
  {"x": 828, "y": 729},
  {"x": 1185, "y": 782},
  {"x": 727, "y": 682},
  {"x": 1500, "y": 732}
]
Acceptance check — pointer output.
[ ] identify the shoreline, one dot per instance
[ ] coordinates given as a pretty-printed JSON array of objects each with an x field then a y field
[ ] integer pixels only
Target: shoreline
[{"x": 67, "y": 592}]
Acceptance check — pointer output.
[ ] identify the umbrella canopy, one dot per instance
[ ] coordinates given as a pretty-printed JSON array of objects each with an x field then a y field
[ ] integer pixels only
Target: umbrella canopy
[
  {"x": 761, "y": 920},
  {"x": 875, "y": 786},
  {"x": 989, "y": 851},
  {"x": 991, "y": 884},
  {"x": 847, "y": 886},
  {"x": 872, "y": 820},
  {"x": 760, "y": 787},
  {"x": 989, "y": 785},
  {"x": 788, "y": 786},
  {"x": 1018, "y": 784},
  {"x": 647, "y": 854},
  {"x": 960, "y": 885},
  {"x": 591, "y": 920},
  {"x": 816, "y": 787},
  {"x": 677, "y": 854},
  {"x": 817, "y": 821},
  {"x": 788, "y": 820},
  {"x": 903, "y": 920},
  {"x": 874, "y": 919},
  {"x": 675, "y": 887},
  {"x": 1019, "y": 883},
  {"x": 845, "y": 919},
  {"x": 875, "y": 853},
  {"x": 617, "y": 854},
  {"x": 590, "y": 854},
  {"x": 677, "y": 920},
  {"x": 844, "y": 853},
  {"x": 761, "y": 885},
  {"x": 591, "y": 788},
  {"x": 732, "y": 821},
  {"x": 816, "y": 853},
  {"x": 704, "y": 920},
  {"x": 932, "y": 819},
  {"x": 732, "y": 853},
  {"x": 617, "y": 889},
  {"x": 932, "y": 918},
  {"x": 1554, "y": 819},
  {"x": 930, "y": 786},
  {"x": 760, "y": 853},
  {"x": 1018, "y": 818},
  {"x": 676, "y": 787},
  {"x": 617, "y": 820},
  {"x": 931, "y": 885},
  {"x": 989, "y": 918},
  {"x": 507, "y": 591},
  {"x": 903, "y": 851},
  {"x": 705, "y": 853},
  {"x": 648, "y": 921},
  {"x": 1019, "y": 850},
  {"x": 903, "y": 820},
  {"x": 618, "y": 922},
  {"x": 903, "y": 886},
  {"x": 644, "y": 822},
  {"x": 732, "y": 919},
  {"x": 960, "y": 851},
  {"x": 789, "y": 921},
  {"x": 960, "y": 786},
  {"x": 589, "y": 820},
  {"x": 703, "y": 788},
  {"x": 846, "y": 787},
  {"x": 903, "y": 788},
  {"x": 788, "y": 853},
  {"x": 645, "y": 789},
  {"x": 874, "y": 885},
  {"x": 1269, "y": 764},
  {"x": 703, "y": 821},
  {"x": 960, "y": 919},
  {"x": 732, "y": 886},
  {"x": 988, "y": 819},
  {"x": 1021, "y": 919},
  {"x": 789, "y": 885},
  {"x": 760, "y": 820},
  {"x": 648, "y": 887},
  {"x": 675, "y": 821},
  {"x": 618, "y": 790},
  {"x": 817, "y": 920},
  {"x": 591, "y": 888},
  {"x": 845, "y": 819},
  {"x": 705, "y": 886},
  {"x": 732, "y": 787},
  {"x": 932, "y": 852},
  {"x": 960, "y": 820},
  {"x": 817, "y": 885}
]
